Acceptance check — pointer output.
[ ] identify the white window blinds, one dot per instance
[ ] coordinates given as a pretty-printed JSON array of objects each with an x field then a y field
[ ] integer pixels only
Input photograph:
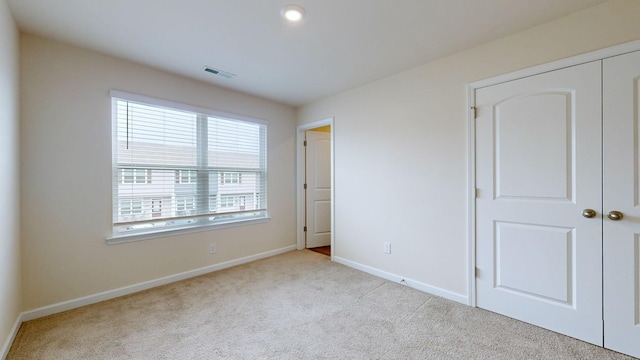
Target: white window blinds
[{"x": 172, "y": 166}]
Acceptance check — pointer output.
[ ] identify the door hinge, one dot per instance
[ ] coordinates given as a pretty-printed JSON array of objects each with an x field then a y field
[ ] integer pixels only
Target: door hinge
[
  {"x": 305, "y": 143},
  {"x": 475, "y": 112},
  {"x": 305, "y": 229},
  {"x": 475, "y": 193},
  {"x": 305, "y": 186}
]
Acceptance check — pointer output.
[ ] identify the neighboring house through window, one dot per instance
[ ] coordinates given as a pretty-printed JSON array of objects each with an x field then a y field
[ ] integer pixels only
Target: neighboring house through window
[{"x": 171, "y": 161}]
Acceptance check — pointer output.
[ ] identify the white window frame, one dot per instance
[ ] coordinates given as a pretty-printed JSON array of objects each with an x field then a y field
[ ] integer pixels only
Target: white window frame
[{"x": 148, "y": 229}]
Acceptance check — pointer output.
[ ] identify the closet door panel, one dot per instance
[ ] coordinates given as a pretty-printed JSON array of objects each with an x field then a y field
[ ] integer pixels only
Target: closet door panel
[
  {"x": 621, "y": 184},
  {"x": 538, "y": 157}
]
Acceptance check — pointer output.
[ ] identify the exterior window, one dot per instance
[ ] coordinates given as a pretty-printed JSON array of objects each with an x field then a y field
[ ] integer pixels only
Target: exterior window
[
  {"x": 135, "y": 176},
  {"x": 186, "y": 176},
  {"x": 231, "y": 178},
  {"x": 235, "y": 202},
  {"x": 226, "y": 201},
  {"x": 129, "y": 207},
  {"x": 185, "y": 205},
  {"x": 191, "y": 154}
]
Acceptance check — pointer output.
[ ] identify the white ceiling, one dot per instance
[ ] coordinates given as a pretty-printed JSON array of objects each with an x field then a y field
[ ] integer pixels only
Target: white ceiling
[{"x": 340, "y": 45}]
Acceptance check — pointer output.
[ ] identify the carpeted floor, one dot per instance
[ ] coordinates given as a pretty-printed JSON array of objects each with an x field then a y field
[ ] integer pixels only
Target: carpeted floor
[{"x": 298, "y": 305}]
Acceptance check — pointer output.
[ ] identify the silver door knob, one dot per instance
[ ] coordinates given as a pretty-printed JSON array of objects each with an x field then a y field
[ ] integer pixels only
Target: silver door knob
[
  {"x": 615, "y": 215},
  {"x": 588, "y": 213}
]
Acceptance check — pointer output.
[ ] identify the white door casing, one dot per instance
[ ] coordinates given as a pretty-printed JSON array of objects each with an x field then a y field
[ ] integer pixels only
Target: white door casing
[
  {"x": 538, "y": 165},
  {"x": 318, "y": 193},
  {"x": 621, "y": 185}
]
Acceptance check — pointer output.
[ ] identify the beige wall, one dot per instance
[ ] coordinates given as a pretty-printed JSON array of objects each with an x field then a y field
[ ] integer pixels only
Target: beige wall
[
  {"x": 66, "y": 176},
  {"x": 406, "y": 135},
  {"x": 401, "y": 147},
  {"x": 10, "y": 288}
]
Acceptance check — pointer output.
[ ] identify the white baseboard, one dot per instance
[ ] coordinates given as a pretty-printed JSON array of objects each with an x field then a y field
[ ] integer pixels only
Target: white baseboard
[
  {"x": 12, "y": 335},
  {"x": 434, "y": 290},
  {"x": 111, "y": 294}
]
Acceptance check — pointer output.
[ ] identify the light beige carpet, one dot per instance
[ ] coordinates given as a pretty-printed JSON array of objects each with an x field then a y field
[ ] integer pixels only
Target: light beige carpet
[{"x": 298, "y": 305}]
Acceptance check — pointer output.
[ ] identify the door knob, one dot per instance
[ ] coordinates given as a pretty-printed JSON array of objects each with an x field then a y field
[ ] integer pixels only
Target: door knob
[
  {"x": 588, "y": 213},
  {"x": 615, "y": 215}
]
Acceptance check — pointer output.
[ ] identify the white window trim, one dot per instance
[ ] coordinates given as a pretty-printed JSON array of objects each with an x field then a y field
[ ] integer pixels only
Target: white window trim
[
  {"x": 118, "y": 238},
  {"x": 121, "y": 239}
]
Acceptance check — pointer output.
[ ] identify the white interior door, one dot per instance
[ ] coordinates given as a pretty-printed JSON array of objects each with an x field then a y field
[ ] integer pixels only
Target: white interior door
[
  {"x": 621, "y": 94},
  {"x": 318, "y": 193},
  {"x": 538, "y": 166}
]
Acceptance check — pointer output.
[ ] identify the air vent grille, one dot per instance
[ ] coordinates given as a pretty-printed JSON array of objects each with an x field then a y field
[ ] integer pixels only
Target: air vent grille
[{"x": 219, "y": 72}]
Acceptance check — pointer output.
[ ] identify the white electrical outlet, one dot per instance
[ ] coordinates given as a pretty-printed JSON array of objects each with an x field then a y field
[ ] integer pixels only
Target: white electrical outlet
[
  {"x": 212, "y": 249},
  {"x": 387, "y": 247}
]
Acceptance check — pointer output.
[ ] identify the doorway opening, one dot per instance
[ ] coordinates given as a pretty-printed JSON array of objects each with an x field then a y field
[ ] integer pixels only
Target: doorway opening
[
  {"x": 315, "y": 190},
  {"x": 324, "y": 250}
]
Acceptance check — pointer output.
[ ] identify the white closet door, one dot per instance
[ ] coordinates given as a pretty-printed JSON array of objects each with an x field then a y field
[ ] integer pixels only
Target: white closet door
[
  {"x": 621, "y": 151},
  {"x": 538, "y": 166}
]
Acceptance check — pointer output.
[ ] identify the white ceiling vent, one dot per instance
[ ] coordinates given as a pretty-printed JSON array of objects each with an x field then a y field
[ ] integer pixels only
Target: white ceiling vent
[{"x": 219, "y": 72}]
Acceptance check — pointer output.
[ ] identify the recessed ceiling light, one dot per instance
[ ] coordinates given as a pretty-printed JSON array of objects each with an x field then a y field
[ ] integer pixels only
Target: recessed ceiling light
[{"x": 292, "y": 13}]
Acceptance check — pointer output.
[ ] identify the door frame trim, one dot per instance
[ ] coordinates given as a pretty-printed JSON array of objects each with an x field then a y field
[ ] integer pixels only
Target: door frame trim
[
  {"x": 300, "y": 174},
  {"x": 596, "y": 55}
]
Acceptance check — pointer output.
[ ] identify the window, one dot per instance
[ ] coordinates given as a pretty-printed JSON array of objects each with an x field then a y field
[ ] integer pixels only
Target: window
[
  {"x": 186, "y": 176},
  {"x": 129, "y": 207},
  {"x": 226, "y": 201},
  {"x": 185, "y": 205},
  {"x": 231, "y": 178},
  {"x": 135, "y": 176},
  {"x": 192, "y": 153},
  {"x": 234, "y": 201}
]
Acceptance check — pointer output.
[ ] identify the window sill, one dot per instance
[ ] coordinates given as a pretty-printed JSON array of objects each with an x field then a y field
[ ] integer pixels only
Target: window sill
[{"x": 126, "y": 238}]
